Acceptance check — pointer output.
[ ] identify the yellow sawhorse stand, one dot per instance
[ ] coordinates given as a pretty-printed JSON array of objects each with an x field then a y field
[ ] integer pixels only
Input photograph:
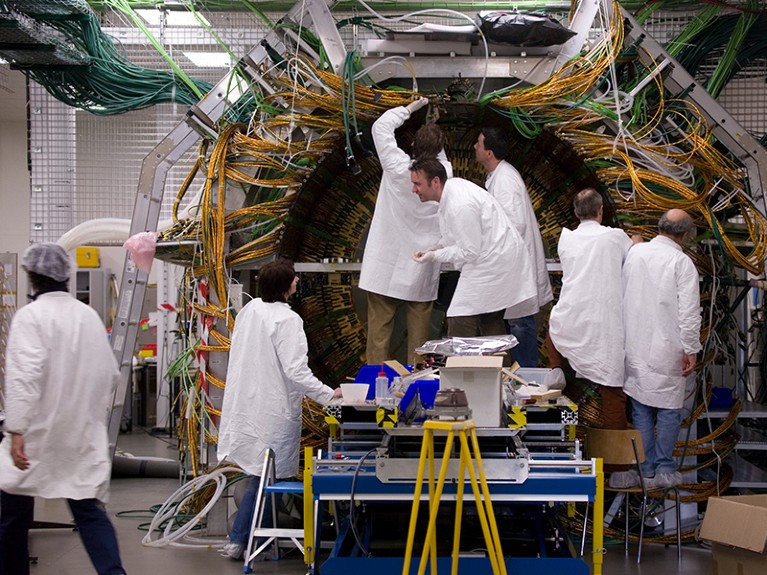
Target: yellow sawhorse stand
[{"x": 469, "y": 456}]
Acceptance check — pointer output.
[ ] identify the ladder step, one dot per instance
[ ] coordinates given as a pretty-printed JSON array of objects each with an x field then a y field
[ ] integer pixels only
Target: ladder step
[
  {"x": 278, "y": 532},
  {"x": 285, "y": 487}
]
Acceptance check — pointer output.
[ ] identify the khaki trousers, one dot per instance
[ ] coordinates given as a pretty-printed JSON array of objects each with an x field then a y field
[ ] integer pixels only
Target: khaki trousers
[{"x": 381, "y": 312}]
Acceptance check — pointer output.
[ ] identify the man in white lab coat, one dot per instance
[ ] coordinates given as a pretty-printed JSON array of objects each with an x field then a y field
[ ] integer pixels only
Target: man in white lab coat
[
  {"x": 506, "y": 185},
  {"x": 400, "y": 225},
  {"x": 661, "y": 304},
  {"x": 478, "y": 239},
  {"x": 59, "y": 385},
  {"x": 267, "y": 378},
  {"x": 586, "y": 324}
]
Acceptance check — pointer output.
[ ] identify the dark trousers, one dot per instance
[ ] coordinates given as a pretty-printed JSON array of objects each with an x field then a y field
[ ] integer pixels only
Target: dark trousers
[
  {"x": 243, "y": 521},
  {"x": 525, "y": 353},
  {"x": 476, "y": 325},
  {"x": 96, "y": 532}
]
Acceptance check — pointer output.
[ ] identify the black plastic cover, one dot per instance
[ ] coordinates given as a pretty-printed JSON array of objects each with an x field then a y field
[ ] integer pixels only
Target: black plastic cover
[{"x": 521, "y": 29}]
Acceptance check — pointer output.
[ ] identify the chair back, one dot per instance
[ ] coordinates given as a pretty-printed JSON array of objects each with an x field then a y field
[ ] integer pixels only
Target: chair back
[{"x": 615, "y": 446}]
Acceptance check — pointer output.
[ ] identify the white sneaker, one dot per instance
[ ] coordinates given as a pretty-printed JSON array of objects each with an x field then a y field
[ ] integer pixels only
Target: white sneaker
[
  {"x": 232, "y": 551},
  {"x": 624, "y": 479}
]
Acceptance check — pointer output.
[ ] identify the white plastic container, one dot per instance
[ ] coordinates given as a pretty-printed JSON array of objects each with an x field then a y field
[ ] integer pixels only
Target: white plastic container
[
  {"x": 382, "y": 386},
  {"x": 354, "y": 392}
]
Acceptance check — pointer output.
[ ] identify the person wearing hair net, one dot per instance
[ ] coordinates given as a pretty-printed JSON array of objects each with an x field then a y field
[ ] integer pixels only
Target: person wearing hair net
[{"x": 59, "y": 382}]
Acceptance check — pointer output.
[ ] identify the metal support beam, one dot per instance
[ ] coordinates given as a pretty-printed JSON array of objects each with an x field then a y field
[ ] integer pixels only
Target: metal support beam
[
  {"x": 581, "y": 24},
  {"x": 446, "y": 67},
  {"x": 325, "y": 28},
  {"x": 532, "y": 65}
]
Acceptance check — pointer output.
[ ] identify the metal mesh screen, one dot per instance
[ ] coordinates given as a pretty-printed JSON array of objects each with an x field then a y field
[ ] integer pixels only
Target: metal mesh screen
[
  {"x": 86, "y": 166},
  {"x": 4, "y": 80},
  {"x": 745, "y": 97},
  {"x": 52, "y": 155}
]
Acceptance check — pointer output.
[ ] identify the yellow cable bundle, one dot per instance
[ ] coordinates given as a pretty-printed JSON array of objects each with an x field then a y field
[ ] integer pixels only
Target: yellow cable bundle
[{"x": 212, "y": 220}]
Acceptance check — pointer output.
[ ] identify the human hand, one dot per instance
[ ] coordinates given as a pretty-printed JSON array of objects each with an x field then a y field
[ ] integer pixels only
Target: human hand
[
  {"x": 337, "y": 393},
  {"x": 416, "y": 105},
  {"x": 636, "y": 239},
  {"x": 18, "y": 454},
  {"x": 424, "y": 257},
  {"x": 688, "y": 364}
]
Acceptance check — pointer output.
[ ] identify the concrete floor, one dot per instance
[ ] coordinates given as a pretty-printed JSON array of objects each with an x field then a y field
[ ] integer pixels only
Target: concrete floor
[{"x": 60, "y": 553}]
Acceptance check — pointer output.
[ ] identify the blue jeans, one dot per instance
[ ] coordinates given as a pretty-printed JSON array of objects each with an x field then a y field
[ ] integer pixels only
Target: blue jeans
[
  {"x": 96, "y": 532},
  {"x": 526, "y": 332},
  {"x": 659, "y": 428},
  {"x": 244, "y": 518}
]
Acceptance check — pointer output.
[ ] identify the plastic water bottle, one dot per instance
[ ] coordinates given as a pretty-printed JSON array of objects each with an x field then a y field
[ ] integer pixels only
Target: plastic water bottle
[
  {"x": 396, "y": 385},
  {"x": 382, "y": 386}
]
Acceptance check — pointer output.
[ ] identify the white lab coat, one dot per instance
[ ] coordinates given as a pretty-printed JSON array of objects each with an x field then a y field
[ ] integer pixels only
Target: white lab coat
[
  {"x": 401, "y": 223},
  {"x": 59, "y": 385},
  {"x": 506, "y": 185},
  {"x": 661, "y": 304},
  {"x": 479, "y": 240},
  {"x": 267, "y": 378},
  {"x": 586, "y": 324}
]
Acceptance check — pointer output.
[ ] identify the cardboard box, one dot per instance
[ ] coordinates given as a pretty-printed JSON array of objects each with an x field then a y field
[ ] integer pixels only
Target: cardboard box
[
  {"x": 737, "y": 528},
  {"x": 479, "y": 377}
]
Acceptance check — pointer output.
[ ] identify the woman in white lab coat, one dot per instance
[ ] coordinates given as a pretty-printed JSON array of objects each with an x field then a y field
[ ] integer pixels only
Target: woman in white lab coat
[
  {"x": 267, "y": 377},
  {"x": 59, "y": 383}
]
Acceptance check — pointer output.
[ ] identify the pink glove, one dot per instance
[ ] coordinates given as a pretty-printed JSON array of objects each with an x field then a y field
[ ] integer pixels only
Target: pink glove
[{"x": 142, "y": 247}]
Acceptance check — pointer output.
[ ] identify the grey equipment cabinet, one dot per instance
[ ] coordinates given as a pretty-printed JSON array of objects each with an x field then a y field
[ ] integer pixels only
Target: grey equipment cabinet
[{"x": 91, "y": 286}]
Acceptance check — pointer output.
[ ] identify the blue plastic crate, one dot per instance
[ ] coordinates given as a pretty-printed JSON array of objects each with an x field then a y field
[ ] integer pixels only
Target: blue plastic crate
[
  {"x": 427, "y": 388},
  {"x": 721, "y": 398}
]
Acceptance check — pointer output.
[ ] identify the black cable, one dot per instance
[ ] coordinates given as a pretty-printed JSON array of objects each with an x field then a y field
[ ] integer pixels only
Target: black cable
[{"x": 361, "y": 547}]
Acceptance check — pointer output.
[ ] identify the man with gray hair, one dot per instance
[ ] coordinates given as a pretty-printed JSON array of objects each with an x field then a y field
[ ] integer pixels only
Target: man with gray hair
[
  {"x": 661, "y": 311},
  {"x": 59, "y": 383},
  {"x": 586, "y": 324}
]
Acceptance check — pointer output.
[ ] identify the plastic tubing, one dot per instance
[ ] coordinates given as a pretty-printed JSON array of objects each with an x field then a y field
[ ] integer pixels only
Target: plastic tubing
[
  {"x": 168, "y": 511},
  {"x": 116, "y": 229}
]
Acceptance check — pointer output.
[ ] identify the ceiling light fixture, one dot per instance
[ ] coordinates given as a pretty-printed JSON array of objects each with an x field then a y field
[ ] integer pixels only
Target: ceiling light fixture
[
  {"x": 172, "y": 17},
  {"x": 210, "y": 59}
]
